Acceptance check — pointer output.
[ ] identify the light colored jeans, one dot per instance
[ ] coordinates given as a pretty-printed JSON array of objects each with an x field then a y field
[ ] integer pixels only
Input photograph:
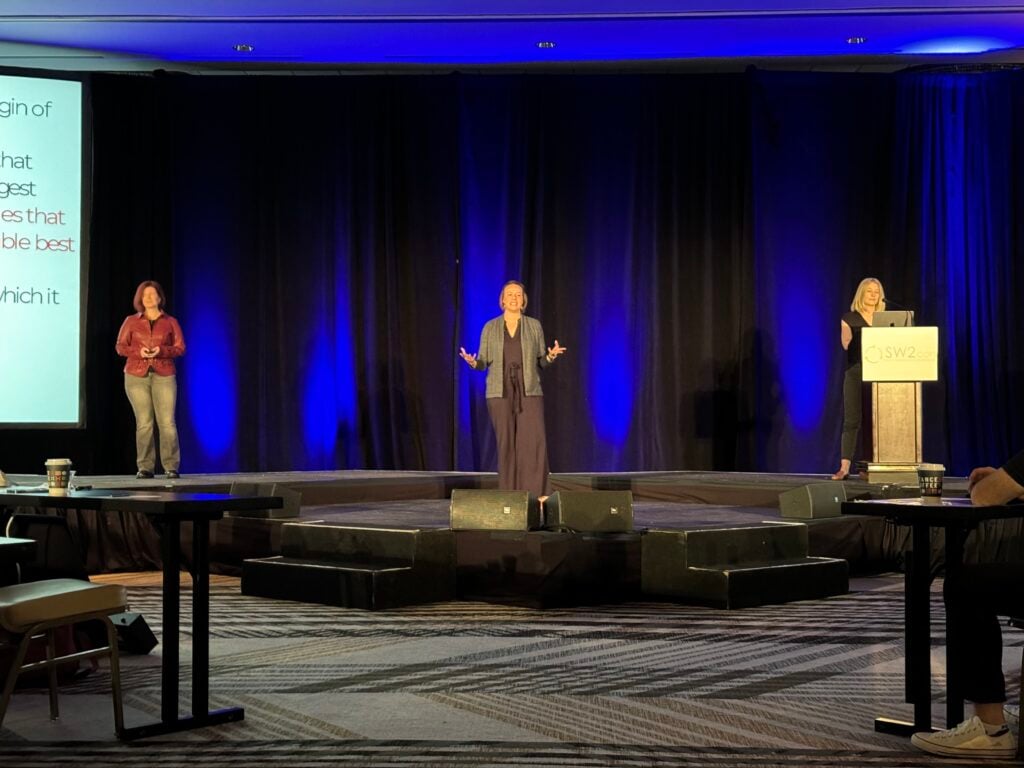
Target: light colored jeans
[{"x": 153, "y": 399}]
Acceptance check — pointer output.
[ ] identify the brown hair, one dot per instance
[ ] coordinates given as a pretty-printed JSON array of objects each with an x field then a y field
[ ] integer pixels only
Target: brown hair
[{"x": 137, "y": 301}]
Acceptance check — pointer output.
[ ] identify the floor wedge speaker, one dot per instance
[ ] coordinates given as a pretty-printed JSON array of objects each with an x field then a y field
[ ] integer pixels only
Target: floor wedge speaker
[
  {"x": 815, "y": 500},
  {"x": 133, "y": 633},
  {"x": 589, "y": 511},
  {"x": 477, "y": 510}
]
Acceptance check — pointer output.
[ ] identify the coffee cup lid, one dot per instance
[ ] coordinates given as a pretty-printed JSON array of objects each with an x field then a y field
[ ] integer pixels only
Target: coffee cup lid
[
  {"x": 932, "y": 467},
  {"x": 57, "y": 461}
]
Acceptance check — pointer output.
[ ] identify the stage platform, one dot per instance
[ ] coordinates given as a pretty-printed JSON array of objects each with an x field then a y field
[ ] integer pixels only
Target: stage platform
[
  {"x": 681, "y": 500},
  {"x": 740, "y": 489}
]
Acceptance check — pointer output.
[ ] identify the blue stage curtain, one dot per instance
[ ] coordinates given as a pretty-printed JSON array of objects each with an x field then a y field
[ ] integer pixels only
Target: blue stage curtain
[
  {"x": 821, "y": 169},
  {"x": 315, "y": 262},
  {"x": 957, "y": 209},
  {"x": 621, "y": 202},
  {"x": 330, "y": 242}
]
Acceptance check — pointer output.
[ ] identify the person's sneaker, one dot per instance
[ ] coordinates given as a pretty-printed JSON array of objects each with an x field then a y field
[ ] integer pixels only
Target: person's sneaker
[
  {"x": 1011, "y": 712},
  {"x": 969, "y": 739},
  {"x": 143, "y": 474},
  {"x": 172, "y": 475}
]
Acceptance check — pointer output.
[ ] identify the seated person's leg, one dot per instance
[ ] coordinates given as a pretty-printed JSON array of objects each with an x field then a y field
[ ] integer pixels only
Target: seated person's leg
[{"x": 975, "y": 599}]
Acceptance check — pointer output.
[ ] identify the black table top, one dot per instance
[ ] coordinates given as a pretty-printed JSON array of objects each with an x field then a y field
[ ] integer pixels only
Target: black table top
[
  {"x": 186, "y": 505},
  {"x": 16, "y": 550},
  {"x": 933, "y": 512}
]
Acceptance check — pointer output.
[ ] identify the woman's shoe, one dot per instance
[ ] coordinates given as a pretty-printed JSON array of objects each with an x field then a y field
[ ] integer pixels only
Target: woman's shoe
[{"x": 844, "y": 470}]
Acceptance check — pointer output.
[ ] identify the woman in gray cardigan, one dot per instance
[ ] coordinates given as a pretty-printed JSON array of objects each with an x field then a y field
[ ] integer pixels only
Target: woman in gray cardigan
[{"x": 512, "y": 351}]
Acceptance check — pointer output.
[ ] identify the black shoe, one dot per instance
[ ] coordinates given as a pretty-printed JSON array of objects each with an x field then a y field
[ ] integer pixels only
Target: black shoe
[
  {"x": 143, "y": 474},
  {"x": 172, "y": 475}
]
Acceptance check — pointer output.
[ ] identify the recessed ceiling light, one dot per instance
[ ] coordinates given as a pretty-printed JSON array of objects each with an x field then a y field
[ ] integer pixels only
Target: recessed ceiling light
[
  {"x": 545, "y": 44},
  {"x": 856, "y": 40},
  {"x": 243, "y": 48}
]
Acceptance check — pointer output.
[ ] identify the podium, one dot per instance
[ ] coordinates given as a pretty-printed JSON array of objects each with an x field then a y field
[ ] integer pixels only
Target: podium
[{"x": 896, "y": 357}]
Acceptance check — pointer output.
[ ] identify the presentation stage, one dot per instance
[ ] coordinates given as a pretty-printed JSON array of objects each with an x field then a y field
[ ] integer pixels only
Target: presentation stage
[{"x": 40, "y": 251}]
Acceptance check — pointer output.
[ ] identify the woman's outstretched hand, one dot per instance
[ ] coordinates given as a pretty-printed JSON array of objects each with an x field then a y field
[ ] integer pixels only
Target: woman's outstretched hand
[
  {"x": 471, "y": 359},
  {"x": 555, "y": 351}
]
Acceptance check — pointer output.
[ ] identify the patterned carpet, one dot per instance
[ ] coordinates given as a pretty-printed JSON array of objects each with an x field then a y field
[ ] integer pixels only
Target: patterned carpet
[{"x": 471, "y": 684}]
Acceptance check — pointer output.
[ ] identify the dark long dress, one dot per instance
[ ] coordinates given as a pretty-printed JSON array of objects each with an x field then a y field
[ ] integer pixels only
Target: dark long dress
[{"x": 519, "y": 427}]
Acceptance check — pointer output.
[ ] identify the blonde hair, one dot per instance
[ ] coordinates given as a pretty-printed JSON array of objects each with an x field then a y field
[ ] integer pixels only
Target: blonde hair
[
  {"x": 858, "y": 297},
  {"x": 501, "y": 296}
]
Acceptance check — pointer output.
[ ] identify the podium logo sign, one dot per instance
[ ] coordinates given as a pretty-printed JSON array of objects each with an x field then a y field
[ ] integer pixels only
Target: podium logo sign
[{"x": 900, "y": 354}]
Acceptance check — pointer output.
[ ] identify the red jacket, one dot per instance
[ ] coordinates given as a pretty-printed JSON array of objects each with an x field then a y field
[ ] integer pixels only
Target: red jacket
[{"x": 136, "y": 335}]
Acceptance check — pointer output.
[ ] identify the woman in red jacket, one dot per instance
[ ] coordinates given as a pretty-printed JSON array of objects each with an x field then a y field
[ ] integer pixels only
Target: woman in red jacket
[{"x": 151, "y": 339}]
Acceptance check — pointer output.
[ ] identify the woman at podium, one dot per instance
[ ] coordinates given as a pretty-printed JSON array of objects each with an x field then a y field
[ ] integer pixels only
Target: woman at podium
[
  {"x": 868, "y": 299},
  {"x": 513, "y": 351}
]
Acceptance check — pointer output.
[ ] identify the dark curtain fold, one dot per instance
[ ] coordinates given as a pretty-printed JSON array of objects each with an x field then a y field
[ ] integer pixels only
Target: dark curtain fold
[
  {"x": 958, "y": 207},
  {"x": 328, "y": 214},
  {"x": 821, "y": 174},
  {"x": 330, "y": 242}
]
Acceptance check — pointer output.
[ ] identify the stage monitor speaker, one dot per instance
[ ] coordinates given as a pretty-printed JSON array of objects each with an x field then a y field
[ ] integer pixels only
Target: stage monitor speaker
[
  {"x": 812, "y": 501},
  {"x": 590, "y": 511},
  {"x": 477, "y": 510},
  {"x": 133, "y": 633}
]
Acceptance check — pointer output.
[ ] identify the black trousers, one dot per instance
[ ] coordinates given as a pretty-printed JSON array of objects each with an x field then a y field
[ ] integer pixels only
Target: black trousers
[
  {"x": 975, "y": 599},
  {"x": 853, "y": 382},
  {"x": 522, "y": 444}
]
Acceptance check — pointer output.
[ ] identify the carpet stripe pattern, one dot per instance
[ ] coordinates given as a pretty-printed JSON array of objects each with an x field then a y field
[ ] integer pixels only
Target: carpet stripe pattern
[{"x": 467, "y": 684}]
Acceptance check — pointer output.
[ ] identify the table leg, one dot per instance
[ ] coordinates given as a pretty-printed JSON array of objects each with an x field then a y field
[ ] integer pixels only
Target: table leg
[
  {"x": 201, "y": 716},
  {"x": 917, "y": 634},
  {"x": 200, "y": 617},
  {"x": 955, "y": 538},
  {"x": 919, "y": 644},
  {"x": 170, "y": 530}
]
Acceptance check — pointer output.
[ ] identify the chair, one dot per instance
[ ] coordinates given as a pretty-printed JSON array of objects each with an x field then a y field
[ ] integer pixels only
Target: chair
[{"x": 37, "y": 609}]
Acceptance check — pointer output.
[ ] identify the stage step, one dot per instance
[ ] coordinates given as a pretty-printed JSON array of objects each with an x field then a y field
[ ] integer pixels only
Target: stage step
[
  {"x": 739, "y": 567},
  {"x": 356, "y": 566},
  {"x": 546, "y": 569}
]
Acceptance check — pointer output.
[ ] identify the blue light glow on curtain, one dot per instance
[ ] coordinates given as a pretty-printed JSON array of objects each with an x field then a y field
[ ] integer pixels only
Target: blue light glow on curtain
[
  {"x": 960, "y": 136},
  {"x": 210, "y": 372},
  {"x": 692, "y": 240}
]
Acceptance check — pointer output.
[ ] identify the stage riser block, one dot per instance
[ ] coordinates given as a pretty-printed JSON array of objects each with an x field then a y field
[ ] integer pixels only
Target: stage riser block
[
  {"x": 356, "y": 566},
  {"x": 734, "y": 546},
  {"x": 739, "y": 567},
  {"x": 350, "y": 542},
  {"x": 590, "y": 511},
  {"x": 235, "y": 539},
  {"x": 546, "y": 569},
  {"x": 347, "y": 586}
]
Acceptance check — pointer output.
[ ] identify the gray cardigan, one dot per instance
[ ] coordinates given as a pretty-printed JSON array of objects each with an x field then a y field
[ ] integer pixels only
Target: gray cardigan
[{"x": 492, "y": 353}]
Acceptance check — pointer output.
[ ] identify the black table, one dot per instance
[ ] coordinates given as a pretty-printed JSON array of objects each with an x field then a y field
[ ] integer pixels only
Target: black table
[
  {"x": 957, "y": 517},
  {"x": 168, "y": 511},
  {"x": 16, "y": 550}
]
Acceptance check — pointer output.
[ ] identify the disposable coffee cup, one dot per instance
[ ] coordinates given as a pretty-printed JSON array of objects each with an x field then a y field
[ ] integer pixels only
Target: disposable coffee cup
[
  {"x": 929, "y": 478},
  {"x": 58, "y": 476}
]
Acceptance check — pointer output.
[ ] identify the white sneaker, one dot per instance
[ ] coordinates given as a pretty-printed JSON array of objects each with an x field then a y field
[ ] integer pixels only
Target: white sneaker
[{"x": 969, "y": 739}]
